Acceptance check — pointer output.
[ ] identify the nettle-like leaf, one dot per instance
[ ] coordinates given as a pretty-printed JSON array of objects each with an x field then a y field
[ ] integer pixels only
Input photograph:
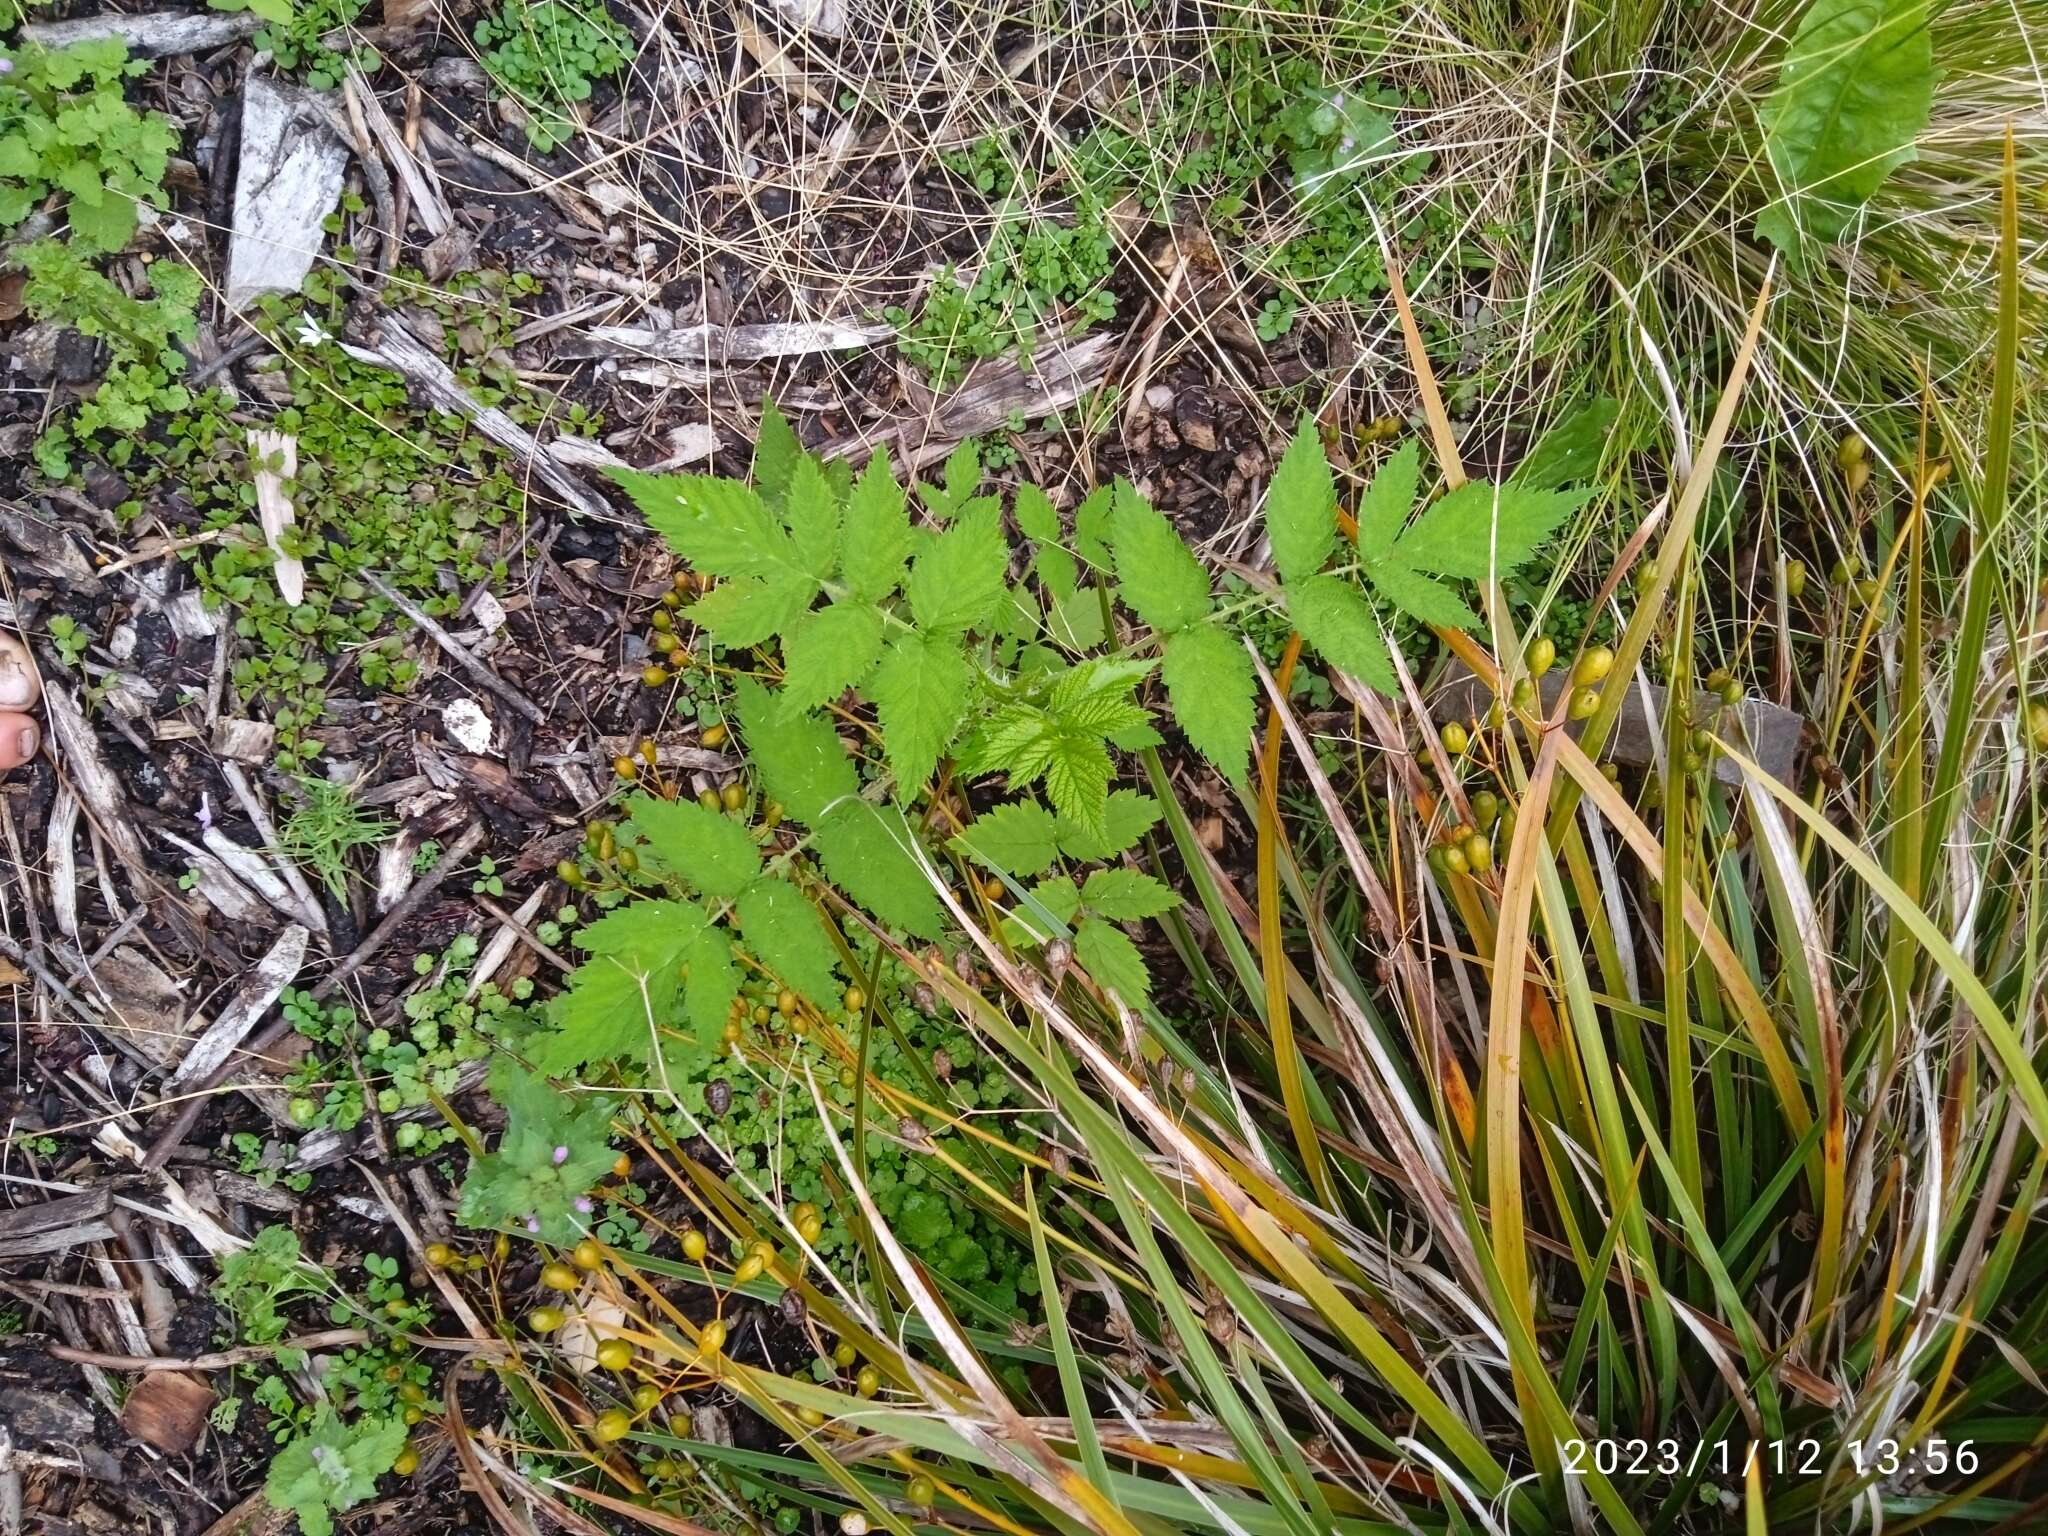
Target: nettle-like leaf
[
  {"x": 1157, "y": 575},
  {"x": 867, "y": 852},
  {"x": 1127, "y": 815},
  {"x": 708, "y": 849},
  {"x": 921, "y": 690},
  {"x": 1301, "y": 507},
  {"x": 798, "y": 757},
  {"x": 811, "y": 511},
  {"x": 616, "y": 1002},
  {"x": 1106, "y": 953},
  {"x": 829, "y": 651},
  {"x": 878, "y": 536},
  {"x": 1019, "y": 838},
  {"x": 960, "y": 576},
  {"x": 1334, "y": 617},
  {"x": 1125, "y": 895},
  {"x": 788, "y": 936},
  {"x": 1482, "y": 531},
  {"x": 721, "y": 526},
  {"x": 776, "y": 453},
  {"x": 1853, "y": 96},
  {"x": 1210, "y": 685}
]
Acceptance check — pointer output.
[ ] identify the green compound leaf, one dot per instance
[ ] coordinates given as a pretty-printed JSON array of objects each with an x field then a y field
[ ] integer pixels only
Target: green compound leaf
[
  {"x": 707, "y": 848},
  {"x": 1127, "y": 815},
  {"x": 811, "y": 510},
  {"x": 1157, "y": 575},
  {"x": 1481, "y": 530},
  {"x": 878, "y": 538},
  {"x": 1853, "y": 95},
  {"x": 1334, "y": 617},
  {"x": 798, "y": 757},
  {"x": 1210, "y": 685},
  {"x": 866, "y": 850},
  {"x": 1301, "y": 506},
  {"x": 1422, "y": 596},
  {"x": 717, "y": 525},
  {"x": 961, "y": 575},
  {"x": 616, "y": 1000},
  {"x": 1106, "y": 953},
  {"x": 827, "y": 652},
  {"x": 1019, "y": 838},
  {"x": 788, "y": 936},
  {"x": 1124, "y": 895},
  {"x": 920, "y": 693}
]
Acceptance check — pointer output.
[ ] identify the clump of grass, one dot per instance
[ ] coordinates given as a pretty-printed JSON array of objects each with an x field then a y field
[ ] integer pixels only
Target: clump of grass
[{"x": 325, "y": 827}]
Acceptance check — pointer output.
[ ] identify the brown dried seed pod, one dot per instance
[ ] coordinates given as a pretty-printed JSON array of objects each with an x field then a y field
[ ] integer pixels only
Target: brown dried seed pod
[{"x": 718, "y": 1096}]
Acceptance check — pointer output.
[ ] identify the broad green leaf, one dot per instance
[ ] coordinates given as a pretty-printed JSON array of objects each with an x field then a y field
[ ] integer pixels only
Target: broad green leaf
[
  {"x": 827, "y": 652},
  {"x": 1019, "y": 838},
  {"x": 958, "y": 578},
  {"x": 616, "y": 1000},
  {"x": 812, "y": 512},
  {"x": 711, "y": 985},
  {"x": 106, "y": 227},
  {"x": 1157, "y": 575},
  {"x": 1076, "y": 620},
  {"x": 1107, "y": 954},
  {"x": 866, "y": 850},
  {"x": 1385, "y": 506},
  {"x": 1853, "y": 95},
  {"x": 717, "y": 525},
  {"x": 1210, "y": 685},
  {"x": 1059, "y": 896},
  {"x": 788, "y": 936},
  {"x": 1096, "y": 695},
  {"x": 1572, "y": 449},
  {"x": 1077, "y": 774},
  {"x": 1334, "y": 617},
  {"x": 920, "y": 691},
  {"x": 1482, "y": 531},
  {"x": 707, "y": 848},
  {"x": 1091, "y": 527},
  {"x": 1127, "y": 816},
  {"x": 745, "y": 611},
  {"x": 1036, "y": 516},
  {"x": 1420, "y": 596},
  {"x": 1123, "y": 895},
  {"x": 776, "y": 453},
  {"x": 1301, "y": 507},
  {"x": 877, "y": 543},
  {"x": 798, "y": 757}
]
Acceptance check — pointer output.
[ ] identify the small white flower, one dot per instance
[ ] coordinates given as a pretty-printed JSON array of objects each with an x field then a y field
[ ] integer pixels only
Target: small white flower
[{"x": 310, "y": 333}]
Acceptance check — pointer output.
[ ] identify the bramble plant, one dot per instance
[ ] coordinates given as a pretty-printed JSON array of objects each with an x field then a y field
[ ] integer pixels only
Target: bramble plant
[
  {"x": 66, "y": 128},
  {"x": 548, "y": 53}
]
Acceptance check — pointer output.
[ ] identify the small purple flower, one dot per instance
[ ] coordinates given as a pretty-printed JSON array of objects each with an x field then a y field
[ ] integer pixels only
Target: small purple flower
[
  {"x": 561, "y": 1156},
  {"x": 6, "y": 65},
  {"x": 585, "y": 1205},
  {"x": 533, "y": 1223}
]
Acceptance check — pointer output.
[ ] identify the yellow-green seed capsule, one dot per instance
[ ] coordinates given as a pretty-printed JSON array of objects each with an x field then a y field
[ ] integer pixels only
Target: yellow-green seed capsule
[
  {"x": 1593, "y": 666},
  {"x": 1456, "y": 862},
  {"x": 559, "y": 1277},
  {"x": 868, "y": 1382},
  {"x": 1478, "y": 854},
  {"x": 646, "y": 1397},
  {"x": 711, "y": 1337},
  {"x": 1541, "y": 654},
  {"x": 1485, "y": 808},
  {"x": 612, "y": 1424},
  {"x": 694, "y": 1246},
  {"x": 654, "y": 674},
  {"x": 545, "y": 1319},
  {"x": 1585, "y": 703},
  {"x": 615, "y": 1354},
  {"x": 1795, "y": 578},
  {"x": 1455, "y": 739},
  {"x": 713, "y": 737}
]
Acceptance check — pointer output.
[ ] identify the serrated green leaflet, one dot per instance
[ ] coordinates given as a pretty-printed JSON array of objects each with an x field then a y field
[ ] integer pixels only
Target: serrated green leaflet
[
  {"x": 707, "y": 848},
  {"x": 1334, "y": 617},
  {"x": 1020, "y": 838},
  {"x": 1423, "y": 596},
  {"x": 1301, "y": 506},
  {"x": 829, "y": 651},
  {"x": 798, "y": 757},
  {"x": 1384, "y": 508},
  {"x": 1480, "y": 531},
  {"x": 720, "y": 526},
  {"x": 811, "y": 509},
  {"x": 1156, "y": 574},
  {"x": 1127, "y": 815},
  {"x": 776, "y": 453},
  {"x": 1124, "y": 895},
  {"x": 878, "y": 537},
  {"x": 958, "y": 578},
  {"x": 920, "y": 693},
  {"x": 788, "y": 936},
  {"x": 866, "y": 850},
  {"x": 1210, "y": 685},
  {"x": 748, "y": 610},
  {"x": 1107, "y": 954}
]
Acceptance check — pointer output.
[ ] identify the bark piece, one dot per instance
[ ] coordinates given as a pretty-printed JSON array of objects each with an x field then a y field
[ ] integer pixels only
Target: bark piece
[
  {"x": 273, "y": 973},
  {"x": 713, "y": 345},
  {"x": 149, "y": 34},
  {"x": 54, "y": 1226},
  {"x": 168, "y": 1409},
  {"x": 274, "y": 507},
  {"x": 288, "y": 181}
]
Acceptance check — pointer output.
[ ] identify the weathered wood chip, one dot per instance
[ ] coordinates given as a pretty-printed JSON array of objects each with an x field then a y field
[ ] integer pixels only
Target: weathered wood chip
[{"x": 168, "y": 1409}]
